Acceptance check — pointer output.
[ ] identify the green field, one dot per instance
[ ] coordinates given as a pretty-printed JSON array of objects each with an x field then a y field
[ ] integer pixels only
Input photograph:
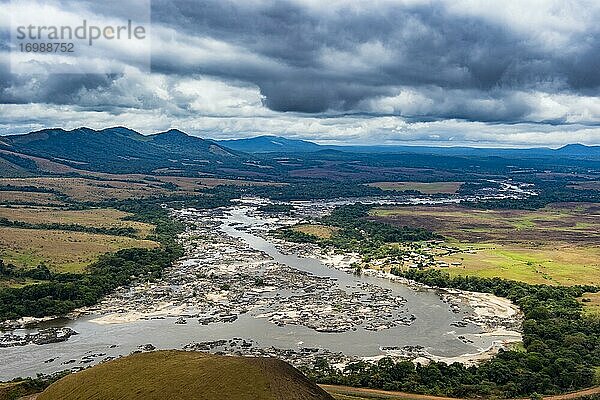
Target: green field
[
  {"x": 591, "y": 304},
  {"x": 320, "y": 231},
  {"x": 559, "y": 244},
  {"x": 564, "y": 266}
]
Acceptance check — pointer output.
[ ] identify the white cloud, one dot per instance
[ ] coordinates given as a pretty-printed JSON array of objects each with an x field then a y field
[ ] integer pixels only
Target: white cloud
[
  {"x": 333, "y": 130},
  {"x": 216, "y": 85}
]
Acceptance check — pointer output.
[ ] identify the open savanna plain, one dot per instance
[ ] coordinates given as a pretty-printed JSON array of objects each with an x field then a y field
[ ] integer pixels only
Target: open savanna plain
[
  {"x": 559, "y": 244},
  {"x": 93, "y": 217},
  {"x": 65, "y": 250},
  {"x": 320, "y": 231},
  {"x": 100, "y": 187}
]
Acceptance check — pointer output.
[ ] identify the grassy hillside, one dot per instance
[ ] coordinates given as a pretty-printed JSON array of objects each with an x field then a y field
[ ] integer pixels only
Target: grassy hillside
[{"x": 181, "y": 375}]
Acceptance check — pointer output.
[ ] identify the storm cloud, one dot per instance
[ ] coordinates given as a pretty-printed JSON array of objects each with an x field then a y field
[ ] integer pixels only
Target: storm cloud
[{"x": 516, "y": 72}]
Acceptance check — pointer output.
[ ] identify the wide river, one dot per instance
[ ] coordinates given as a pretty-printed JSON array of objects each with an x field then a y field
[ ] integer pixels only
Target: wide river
[{"x": 432, "y": 327}]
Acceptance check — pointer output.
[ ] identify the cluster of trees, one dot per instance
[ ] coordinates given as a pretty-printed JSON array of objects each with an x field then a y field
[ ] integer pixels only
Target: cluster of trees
[
  {"x": 353, "y": 219},
  {"x": 295, "y": 236},
  {"x": 113, "y": 230},
  {"x": 61, "y": 293},
  {"x": 10, "y": 271},
  {"x": 27, "y": 188},
  {"x": 562, "y": 348},
  {"x": 358, "y": 233},
  {"x": 21, "y": 387},
  {"x": 470, "y": 188}
]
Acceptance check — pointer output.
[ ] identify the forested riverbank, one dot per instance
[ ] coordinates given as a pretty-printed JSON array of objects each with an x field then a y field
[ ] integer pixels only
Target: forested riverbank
[{"x": 561, "y": 348}]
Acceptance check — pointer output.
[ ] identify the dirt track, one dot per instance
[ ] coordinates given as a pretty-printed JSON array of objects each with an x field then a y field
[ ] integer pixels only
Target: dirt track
[{"x": 384, "y": 394}]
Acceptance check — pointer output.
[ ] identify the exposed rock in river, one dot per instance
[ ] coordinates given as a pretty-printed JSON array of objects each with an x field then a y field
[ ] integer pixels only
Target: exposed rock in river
[{"x": 43, "y": 336}]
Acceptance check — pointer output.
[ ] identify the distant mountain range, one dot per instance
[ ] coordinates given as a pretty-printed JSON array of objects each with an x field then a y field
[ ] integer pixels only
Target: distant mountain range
[
  {"x": 84, "y": 144},
  {"x": 276, "y": 144},
  {"x": 122, "y": 150},
  {"x": 270, "y": 144}
]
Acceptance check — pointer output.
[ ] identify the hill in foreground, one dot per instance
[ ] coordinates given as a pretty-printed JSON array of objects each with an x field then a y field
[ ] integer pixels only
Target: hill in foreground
[{"x": 183, "y": 375}]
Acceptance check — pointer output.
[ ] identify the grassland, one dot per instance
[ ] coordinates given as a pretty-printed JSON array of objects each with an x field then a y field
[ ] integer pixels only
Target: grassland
[
  {"x": 320, "y": 231},
  {"x": 559, "y": 244},
  {"x": 423, "y": 187},
  {"x": 102, "y": 186},
  {"x": 591, "y": 306},
  {"x": 65, "y": 251},
  {"x": 13, "y": 196},
  {"x": 61, "y": 251},
  {"x": 82, "y": 189},
  {"x": 186, "y": 375},
  {"x": 96, "y": 217},
  {"x": 588, "y": 185}
]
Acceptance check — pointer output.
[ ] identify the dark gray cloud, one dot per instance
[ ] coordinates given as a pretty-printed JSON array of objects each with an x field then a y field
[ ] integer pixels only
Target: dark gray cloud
[
  {"x": 475, "y": 61},
  {"x": 422, "y": 45}
]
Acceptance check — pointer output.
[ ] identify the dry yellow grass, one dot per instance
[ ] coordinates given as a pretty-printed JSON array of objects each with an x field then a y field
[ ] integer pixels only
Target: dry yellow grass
[
  {"x": 320, "y": 231},
  {"x": 192, "y": 184},
  {"x": 82, "y": 189},
  {"x": 567, "y": 223},
  {"x": 10, "y": 196},
  {"x": 60, "y": 250},
  {"x": 423, "y": 187},
  {"x": 112, "y": 186},
  {"x": 591, "y": 303},
  {"x": 96, "y": 217}
]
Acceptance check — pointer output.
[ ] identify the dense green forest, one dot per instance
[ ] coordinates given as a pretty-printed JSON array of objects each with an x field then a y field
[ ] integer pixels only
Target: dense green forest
[{"x": 562, "y": 348}]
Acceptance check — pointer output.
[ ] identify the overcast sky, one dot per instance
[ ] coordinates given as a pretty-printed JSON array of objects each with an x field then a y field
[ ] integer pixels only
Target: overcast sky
[{"x": 483, "y": 73}]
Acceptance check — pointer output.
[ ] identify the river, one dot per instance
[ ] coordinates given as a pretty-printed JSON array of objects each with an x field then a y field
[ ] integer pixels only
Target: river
[{"x": 431, "y": 327}]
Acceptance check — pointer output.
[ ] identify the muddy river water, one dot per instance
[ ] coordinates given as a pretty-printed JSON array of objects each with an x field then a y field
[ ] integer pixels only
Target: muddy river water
[{"x": 432, "y": 322}]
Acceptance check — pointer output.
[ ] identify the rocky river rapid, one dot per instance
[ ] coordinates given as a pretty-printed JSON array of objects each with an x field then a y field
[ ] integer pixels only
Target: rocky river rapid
[{"x": 239, "y": 290}]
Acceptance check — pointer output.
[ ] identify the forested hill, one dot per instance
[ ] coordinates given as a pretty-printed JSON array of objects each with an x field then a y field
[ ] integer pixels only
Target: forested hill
[{"x": 124, "y": 150}]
